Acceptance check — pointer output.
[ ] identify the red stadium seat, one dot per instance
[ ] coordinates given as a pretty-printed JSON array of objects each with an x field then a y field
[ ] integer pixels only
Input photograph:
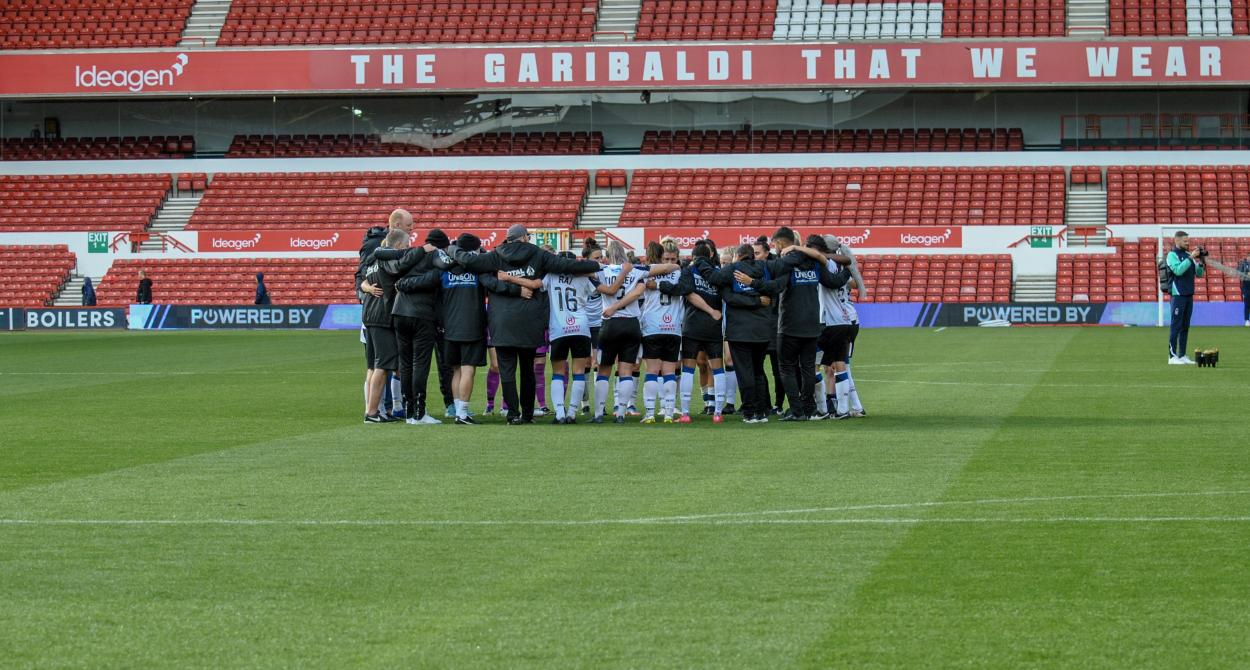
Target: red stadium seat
[{"x": 32, "y": 275}]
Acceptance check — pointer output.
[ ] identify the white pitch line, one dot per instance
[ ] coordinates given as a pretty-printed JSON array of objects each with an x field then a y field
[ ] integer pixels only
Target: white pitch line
[
  {"x": 173, "y": 373},
  {"x": 941, "y": 503},
  {"x": 920, "y": 382},
  {"x": 726, "y": 518},
  {"x": 396, "y": 523}
]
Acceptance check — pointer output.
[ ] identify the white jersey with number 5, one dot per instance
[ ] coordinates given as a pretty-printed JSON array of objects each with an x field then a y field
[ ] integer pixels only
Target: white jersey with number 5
[
  {"x": 568, "y": 296},
  {"x": 608, "y": 276},
  {"x": 661, "y": 314}
]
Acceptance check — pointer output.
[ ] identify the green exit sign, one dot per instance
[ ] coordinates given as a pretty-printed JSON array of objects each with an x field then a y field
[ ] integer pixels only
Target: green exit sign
[
  {"x": 1041, "y": 237},
  {"x": 97, "y": 243}
]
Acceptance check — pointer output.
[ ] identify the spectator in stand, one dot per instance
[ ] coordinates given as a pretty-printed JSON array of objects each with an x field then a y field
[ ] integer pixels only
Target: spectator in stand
[
  {"x": 262, "y": 293},
  {"x": 1244, "y": 268},
  {"x": 88, "y": 293},
  {"x": 144, "y": 295}
]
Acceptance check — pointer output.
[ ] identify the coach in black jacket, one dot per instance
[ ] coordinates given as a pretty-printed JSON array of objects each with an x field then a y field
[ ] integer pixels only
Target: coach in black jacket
[
  {"x": 801, "y": 272},
  {"x": 517, "y": 322},
  {"x": 376, "y": 312},
  {"x": 747, "y": 288},
  {"x": 416, "y": 321}
]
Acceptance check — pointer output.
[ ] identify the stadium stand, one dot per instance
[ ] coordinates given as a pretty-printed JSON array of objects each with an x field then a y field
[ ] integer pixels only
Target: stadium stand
[
  {"x": 831, "y": 141},
  {"x": 469, "y": 199},
  {"x": 1193, "y": 18},
  {"x": 1205, "y": 194},
  {"x": 231, "y": 281},
  {"x": 96, "y": 148},
  {"x": 50, "y": 203},
  {"x": 937, "y": 278},
  {"x": 487, "y": 144},
  {"x": 828, "y": 20},
  {"x": 1131, "y": 274},
  {"x": 273, "y": 22},
  {"x": 847, "y": 196},
  {"x": 92, "y": 24},
  {"x": 31, "y": 276}
]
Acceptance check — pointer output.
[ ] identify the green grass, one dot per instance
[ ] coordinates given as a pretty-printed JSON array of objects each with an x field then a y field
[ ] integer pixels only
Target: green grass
[{"x": 1042, "y": 449}]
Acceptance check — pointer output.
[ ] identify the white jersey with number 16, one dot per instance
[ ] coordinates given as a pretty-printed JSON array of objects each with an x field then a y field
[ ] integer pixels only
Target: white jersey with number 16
[{"x": 568, "y": 296}]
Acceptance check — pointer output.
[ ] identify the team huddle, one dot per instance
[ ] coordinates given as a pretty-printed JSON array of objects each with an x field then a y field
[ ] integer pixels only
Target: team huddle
[{"x": 710, "y": 320}]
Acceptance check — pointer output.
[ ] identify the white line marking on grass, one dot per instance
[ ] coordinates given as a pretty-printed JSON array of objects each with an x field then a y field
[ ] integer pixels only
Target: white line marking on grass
[
  {"x": 945, "y": 503},
  {"x": 1153, "y": 387},
  {"x": 399, "y": 523},
  {"x": 725, "y": 518}
]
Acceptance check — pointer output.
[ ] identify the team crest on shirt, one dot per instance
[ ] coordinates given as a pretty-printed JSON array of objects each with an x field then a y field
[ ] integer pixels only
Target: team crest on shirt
[
  {"x": 668, "y": 318},
  {"x": 571, "y": 321}
]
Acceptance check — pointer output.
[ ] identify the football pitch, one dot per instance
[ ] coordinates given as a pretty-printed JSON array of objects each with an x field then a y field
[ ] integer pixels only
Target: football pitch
[{"x": 1051, "y": 497}]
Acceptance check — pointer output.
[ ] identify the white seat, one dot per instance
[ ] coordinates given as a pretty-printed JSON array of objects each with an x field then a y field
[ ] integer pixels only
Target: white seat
[
  {"x": 1224, "y": 14},
  {"x": 1225, "y": 28},
  {"x": 872, "y": 31},
  {"x": 1209, "y": 29},
  {"x": 826, "y": 31},
  {"x": 811, "y": 31},
  {"x": 935, "y": 23},
  {"x": 857, "y": 31}
]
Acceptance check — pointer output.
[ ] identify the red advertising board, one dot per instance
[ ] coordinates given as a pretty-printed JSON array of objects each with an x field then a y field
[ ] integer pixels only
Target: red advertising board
[
  {"x": 638, "y": 66},
  {"x": 873, "y": 237},
  {"x": 248, "y": 241}
]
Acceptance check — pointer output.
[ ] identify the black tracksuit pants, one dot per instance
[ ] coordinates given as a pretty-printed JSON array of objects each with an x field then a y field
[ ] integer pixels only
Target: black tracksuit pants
[
  {"x": 444, "y": 370},
  {"x": 798, "y": 373},
  {"x": 417, "y": 340},
  {"x": 512, "y": 359},
  {"x": 752, "y": 382},
  {"x": 779, "y": 390}
]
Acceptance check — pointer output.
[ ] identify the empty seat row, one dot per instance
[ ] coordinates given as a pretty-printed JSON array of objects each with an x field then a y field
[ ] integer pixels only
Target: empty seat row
[
  {"x": 96, "y": 148},
  {"x": 1178, "y": 195},
  {"x": 1131, "y": 274},
  {"x": 847, "y": 196},
  {"x": 477, "y": 199},
  {"x": 937, "y": 278},
  {"x": 78, "y": 25},
  {"x": 832, "y": 141},
  {"x": 32, "y": 275},
  {"x": 486, "y": 144},
  {"x": 1193, "y": 18},
  {"x": 232, "y": 281},
  {"x": 114, "y": 203},
  {"x": 252, "y": 23}
]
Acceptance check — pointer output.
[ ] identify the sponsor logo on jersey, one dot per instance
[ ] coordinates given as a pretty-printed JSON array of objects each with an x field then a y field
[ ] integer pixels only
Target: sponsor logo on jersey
[
  {"x": 805, "y": 276},
  {"x": 462, "y": 280}
]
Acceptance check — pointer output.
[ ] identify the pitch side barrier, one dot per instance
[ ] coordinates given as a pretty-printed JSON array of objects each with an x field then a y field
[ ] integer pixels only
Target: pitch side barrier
[
  {"x": 244, "y": 317},
  {"x": 62, "y": 318}
]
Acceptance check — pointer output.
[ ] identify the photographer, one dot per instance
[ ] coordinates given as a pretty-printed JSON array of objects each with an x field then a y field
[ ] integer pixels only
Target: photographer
[{"x": 1185, "y": 265}]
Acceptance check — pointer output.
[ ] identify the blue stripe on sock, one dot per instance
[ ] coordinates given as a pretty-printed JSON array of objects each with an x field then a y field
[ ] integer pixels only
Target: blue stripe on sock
[
  {"x": 718, "y": 371},
  {"x": 670, "y": 378},
  {"x": 652, "y": 378},
  {"x": 687, "y": 371},
  {"x": 819, "y": 377},
  {"x": 559, "y": 377},
  {"x": 841, "y": 377},
  {"x": 579, "y": 377},
  {"x": 603, "y": 378}
]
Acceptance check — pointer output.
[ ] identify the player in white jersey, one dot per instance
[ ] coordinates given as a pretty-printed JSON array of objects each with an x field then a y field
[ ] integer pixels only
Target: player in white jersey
[
  {"x": 841, "y": 327},
  {"x": 569, "y": 329},
  {"x": 594, "y": 312},
  {"x": 621, "y": 337},
  {"x": 662, "y": 312}
]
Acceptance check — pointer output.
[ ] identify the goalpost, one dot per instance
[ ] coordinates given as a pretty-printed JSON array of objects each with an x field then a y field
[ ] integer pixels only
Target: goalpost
[{"x": 1200, "y": 233}]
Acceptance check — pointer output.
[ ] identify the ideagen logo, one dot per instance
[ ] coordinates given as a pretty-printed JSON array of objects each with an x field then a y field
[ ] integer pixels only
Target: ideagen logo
[
  {"x": 313, "y": 243},
  {"x": 237, "y": 245},
  {"x": 912, "y": 239},
  {"x": 856, "y": 240},
  {"x": 134, "y": 80}
]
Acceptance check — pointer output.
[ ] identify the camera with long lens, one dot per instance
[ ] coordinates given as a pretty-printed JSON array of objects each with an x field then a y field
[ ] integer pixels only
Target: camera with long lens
[{"x": 1202, "y": 252}]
